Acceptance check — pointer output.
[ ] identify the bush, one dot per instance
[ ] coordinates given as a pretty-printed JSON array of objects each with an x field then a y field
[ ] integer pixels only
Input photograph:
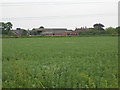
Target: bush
[
  {"x": 118, "y": 30},
  {"x": 107, "y": 31},
  {"x": 111, "y": 31},
  {"x": 92, "y": 32}
]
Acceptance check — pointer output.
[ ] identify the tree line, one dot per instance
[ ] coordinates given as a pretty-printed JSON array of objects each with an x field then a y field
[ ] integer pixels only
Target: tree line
[{"x": 98, "y": 29}]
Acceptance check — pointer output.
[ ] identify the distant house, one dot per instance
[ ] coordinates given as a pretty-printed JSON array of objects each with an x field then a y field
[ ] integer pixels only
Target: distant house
[
  {"x": 58, "y": 31},
  {"x": 78, "y": 30},
  {"x": 51, "y": 31},
  {"x": 18, "y": 31}
]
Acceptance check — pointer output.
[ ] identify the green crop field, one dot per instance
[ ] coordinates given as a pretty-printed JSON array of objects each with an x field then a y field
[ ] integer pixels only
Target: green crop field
[{"x": 60, "y": 62}]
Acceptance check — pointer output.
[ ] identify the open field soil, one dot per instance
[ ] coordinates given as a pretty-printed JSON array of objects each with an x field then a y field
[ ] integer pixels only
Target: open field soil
[{"x": 68, "y": 62}]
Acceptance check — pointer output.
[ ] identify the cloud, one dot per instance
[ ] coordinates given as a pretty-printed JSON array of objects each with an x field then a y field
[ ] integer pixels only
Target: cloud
[
  {"x": 57, "y": 0},
  {"x": 43, "y": 3},
  {"x": 62, "y": 16}
]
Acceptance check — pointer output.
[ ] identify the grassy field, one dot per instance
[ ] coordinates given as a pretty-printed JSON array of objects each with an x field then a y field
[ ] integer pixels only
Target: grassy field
[{"x": 68, "y": 62}]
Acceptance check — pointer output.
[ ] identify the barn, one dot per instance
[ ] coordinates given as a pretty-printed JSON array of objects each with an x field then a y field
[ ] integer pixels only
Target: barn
[{"x": 51, "y": 31}]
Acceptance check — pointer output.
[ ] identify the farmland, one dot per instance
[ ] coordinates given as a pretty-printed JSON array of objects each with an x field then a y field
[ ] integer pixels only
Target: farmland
[{"x": 64, "y": 62}]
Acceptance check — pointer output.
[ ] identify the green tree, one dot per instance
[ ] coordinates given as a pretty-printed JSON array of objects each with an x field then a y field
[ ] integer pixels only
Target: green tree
[
  {"x": 2, "y": 28},
  {"x": 2, "y": 25},
  {"x": 111, "y": 31},
  {"x": 92, "y": 31},
  {"x": 41, "y": 27},
  {"x": 8, "y": 26},
  {"x": 98, "y": 26},
  {"x": 118, "y": 30},
  {"x": 5, "y": 27}
]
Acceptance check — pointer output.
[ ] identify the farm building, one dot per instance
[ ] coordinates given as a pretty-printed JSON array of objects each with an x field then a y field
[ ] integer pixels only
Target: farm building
[
  {"x": 77, "y": 30},
  {"x": 48, "y": 31},
  {"x": 19, "y": 32},
  {"x": 58, "y": 31},
  {"x": 52, "y": 31}
]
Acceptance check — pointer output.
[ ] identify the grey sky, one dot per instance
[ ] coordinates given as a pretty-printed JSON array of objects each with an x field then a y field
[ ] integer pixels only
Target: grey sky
[{"x": 59, "y": 13}]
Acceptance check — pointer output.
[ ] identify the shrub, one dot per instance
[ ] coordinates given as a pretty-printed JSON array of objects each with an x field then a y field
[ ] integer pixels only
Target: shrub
[{"x": 107, "y": 31}]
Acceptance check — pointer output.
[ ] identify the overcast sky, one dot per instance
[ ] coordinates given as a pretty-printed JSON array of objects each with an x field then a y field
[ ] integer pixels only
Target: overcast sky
[{"x": 69, "y": 14}]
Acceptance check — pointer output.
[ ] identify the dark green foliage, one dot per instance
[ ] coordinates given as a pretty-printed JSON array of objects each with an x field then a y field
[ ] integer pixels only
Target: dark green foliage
[
  {"x": 118, "y": 30},
  {"x": 4, "y": 32},
  {"x": 41, "y": 27},
  {"x": 111, "y": 31},
  {"x": 98, "y": 26},
  {"x": 5, "y": 27},
  {"x": 8, "y": 26},
  {"x": 92, "y": 32},
  {"x": 107, "y": 31},
  {"x": 2, "y": 25}
]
